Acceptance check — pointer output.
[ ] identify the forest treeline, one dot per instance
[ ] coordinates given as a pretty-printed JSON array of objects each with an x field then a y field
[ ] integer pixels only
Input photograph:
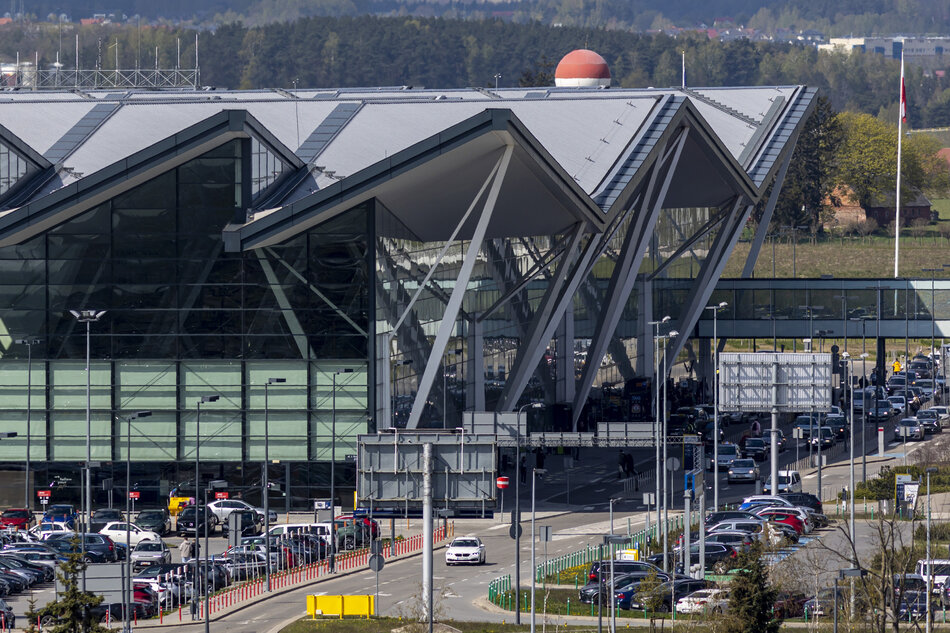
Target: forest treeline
[{"x": 440, "y": 53}]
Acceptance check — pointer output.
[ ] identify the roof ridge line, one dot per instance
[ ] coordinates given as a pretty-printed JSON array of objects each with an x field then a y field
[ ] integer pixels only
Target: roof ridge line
[{"x": 720, "y": 106}]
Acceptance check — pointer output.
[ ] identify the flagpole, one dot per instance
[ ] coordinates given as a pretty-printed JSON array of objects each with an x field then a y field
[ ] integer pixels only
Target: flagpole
[{"x": 901, "y": 116}]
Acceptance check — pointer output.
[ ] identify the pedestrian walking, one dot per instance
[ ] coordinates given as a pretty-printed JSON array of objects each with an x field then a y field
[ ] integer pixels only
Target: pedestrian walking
[
  {"x": 622, "y": 465},
  {"x": 185, "y": 549}
]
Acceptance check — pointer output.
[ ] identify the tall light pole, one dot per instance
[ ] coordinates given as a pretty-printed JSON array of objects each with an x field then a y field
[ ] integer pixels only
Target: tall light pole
[
  {"x": 88, "y": 317},
  {"x": 930, "y": 563},
  {"x": 445, "y": 392},
  {"x": 346, "y": 370},
  {"x": 201, "y": 400},
  {"x": 264, "y": 481},
  {"x": 864, "y": 418},
  {"x": 535, "y": 473},
  {"x": 29, "y": 342},
  {"x": 659, "y": 423},
  {"x": 127, "y": 585},
  {"x": 516, "y": 517},
  {"x": 667, "y": 486},
  {"x": 849, "y": 363},
  {"x": 715, "y": 310}
]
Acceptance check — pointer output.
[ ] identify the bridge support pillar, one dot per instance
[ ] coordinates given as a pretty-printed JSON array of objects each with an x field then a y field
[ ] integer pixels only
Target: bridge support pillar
[{"x": 881, "y": 362}]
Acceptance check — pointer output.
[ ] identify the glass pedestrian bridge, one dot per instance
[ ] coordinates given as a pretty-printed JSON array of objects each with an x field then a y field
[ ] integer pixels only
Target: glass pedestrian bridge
[{"x": 829, "y": 308}]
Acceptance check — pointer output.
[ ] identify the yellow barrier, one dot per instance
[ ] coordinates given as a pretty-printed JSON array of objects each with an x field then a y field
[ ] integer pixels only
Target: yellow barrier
[{"x": 361, "y": 605}]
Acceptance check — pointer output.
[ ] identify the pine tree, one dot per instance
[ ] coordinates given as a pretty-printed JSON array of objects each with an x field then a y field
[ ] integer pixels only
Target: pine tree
[
  {"x": 32, "y": 617},
  {"x": 71, "y": 611},
  {"x": 752, "y": 598}
]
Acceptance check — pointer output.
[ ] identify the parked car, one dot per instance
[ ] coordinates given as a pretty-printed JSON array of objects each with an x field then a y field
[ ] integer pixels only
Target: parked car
[
  {"x": 158, "y": 521},
  {"x": 704, "y": 601},
  {"x": 783, "y": 516},
  {"x": 622, "y": 567},
  {"x": 221, "y": 508},
  {"x": 17, "y": 518},
  {"x": 7, "y": 617},
  {"x": 128, "y": 533},
  {"x": 743, "y": 470},
  {"x": 740, "y": 541},
  {"x": 45, "y": 529},
  {"x": 910, "y": 428},
  {"x": 61, "y": 513},
  {"x": 666, "y": 594},
  {"x": 466, "y": 549},
  {"x": 594, "y": 590},
  {"x": 103, "y": 516},
  {"x": 789, "y": 605},
  {"x": 823, "y": 603},
  {"x": 247, "y": 565},
  {"x": 940, "y": 568},
  {"x": 250, "y": 523},
  {"x": 718, "y": 556},
  {"x": 99, "y": 547},
  {"x": 192, "y": 515},
  {"x": 150, "y": 553},
  {"x": 47, "y": 572},
  {"x": 913, "y": 606},
  {"x": 727, "y": 515}
]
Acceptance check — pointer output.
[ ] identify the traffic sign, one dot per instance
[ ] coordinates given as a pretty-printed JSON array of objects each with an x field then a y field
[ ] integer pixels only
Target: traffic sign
[
  {"x": 134, "y": 494},
  {"x": 515, "y": 530},
  {"x": 44, "y": 494},
  {"x": 220, "y": 495},
  {"x": 376, "y": 562},
  {"x": 502, "y": 482}
]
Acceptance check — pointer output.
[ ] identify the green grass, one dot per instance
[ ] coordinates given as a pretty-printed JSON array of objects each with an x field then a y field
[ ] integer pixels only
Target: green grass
[{"x": 942, "y": 207}]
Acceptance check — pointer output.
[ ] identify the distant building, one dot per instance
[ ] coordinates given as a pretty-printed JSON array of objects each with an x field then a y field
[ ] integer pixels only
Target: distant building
[
  {"x": 849, "y": 211},
  {"x": 926, "y": 52}
]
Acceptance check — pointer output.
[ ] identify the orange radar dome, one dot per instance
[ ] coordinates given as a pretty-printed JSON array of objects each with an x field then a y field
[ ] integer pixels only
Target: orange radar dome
[{"x": 582, "y": 69}]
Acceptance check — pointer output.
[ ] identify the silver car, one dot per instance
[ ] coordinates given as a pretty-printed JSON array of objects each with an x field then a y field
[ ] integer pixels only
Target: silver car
[
  {"x": 743, "y": 470},
  {"x": 150, "y": 553}
]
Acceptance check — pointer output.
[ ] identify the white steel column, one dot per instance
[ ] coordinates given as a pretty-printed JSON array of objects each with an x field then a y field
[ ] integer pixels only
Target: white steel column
[
  {"x": 475, "y": 370},
  {"x": 447, "y": 326}
]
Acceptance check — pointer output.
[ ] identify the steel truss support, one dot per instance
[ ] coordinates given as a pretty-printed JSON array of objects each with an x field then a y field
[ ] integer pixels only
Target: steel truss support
[
  {"x": 533, "y": 345},
  {"x": 763, "y": 229},
  {"x": 704, "y": 284},
  {"x": 458, "y": 292},
  {"x": 624, "y": 275}
]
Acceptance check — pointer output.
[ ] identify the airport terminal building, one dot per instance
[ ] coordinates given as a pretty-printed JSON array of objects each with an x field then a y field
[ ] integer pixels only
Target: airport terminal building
[{"x": 396, "y": 256}]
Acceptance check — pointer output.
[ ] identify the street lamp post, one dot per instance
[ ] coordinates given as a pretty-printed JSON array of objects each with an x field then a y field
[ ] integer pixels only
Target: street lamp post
[
  {"x": 535, "y": 473},
  {"x": 516, "y": 517},
  {"x": 29, "y": 342},
  {"x": 346, "y": 370},
  {"x": 265, "y": 484},
  {"x": 930, "y": 563},
  {"x": 201, "y": 400},
  {"x": 847, "y": 359},
  {"x": 715, "y": 310},
  {"x": 127, "y": 585},
  {"x": 88, "y": 317},
  {"x": 667, "y": 485},
  {"x": 658, "y": 423}
]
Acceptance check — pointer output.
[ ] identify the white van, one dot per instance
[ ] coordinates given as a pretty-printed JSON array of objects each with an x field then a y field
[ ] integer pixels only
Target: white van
[
  {"x": 940, "y": 568},
  {"x": 788, "y": 481},
  {"x": 320, "y": 529}
]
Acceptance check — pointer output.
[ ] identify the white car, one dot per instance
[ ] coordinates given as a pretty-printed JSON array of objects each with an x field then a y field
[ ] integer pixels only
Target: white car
[
  {"x": 704, "y": 601},
  {"x": 221, "y": 508},
  {"x": 465, "y": 549},
  {"x": 44, "y": 530},
  {"x": 116, "y": 530}
]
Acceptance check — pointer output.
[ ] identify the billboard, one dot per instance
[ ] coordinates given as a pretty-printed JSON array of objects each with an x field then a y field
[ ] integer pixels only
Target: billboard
[{"x": 787, "y": 382}]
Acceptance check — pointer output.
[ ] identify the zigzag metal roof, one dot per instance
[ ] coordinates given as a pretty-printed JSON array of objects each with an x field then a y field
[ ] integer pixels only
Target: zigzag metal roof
[{"x": 599, "y": 137}]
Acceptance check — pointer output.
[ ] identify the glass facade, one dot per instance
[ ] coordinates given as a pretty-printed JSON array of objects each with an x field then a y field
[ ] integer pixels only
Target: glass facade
[{"x": 185, "y": 319}]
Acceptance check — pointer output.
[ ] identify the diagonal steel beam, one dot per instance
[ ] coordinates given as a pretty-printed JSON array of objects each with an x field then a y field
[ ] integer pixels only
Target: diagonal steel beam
[
  {"x": 458, "y": 292},
  {"x": 624, "y": 274},
  {"x": 533, "y": 344}
]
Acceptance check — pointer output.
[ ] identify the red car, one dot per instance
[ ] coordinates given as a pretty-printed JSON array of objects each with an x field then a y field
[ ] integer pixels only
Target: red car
[
  {"x": 18, "y": 518},
  {"x": 779, "y": 516}
]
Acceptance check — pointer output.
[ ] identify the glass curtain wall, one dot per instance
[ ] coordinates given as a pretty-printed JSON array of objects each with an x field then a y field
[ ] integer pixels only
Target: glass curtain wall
[{"x": 184, "y": 319}]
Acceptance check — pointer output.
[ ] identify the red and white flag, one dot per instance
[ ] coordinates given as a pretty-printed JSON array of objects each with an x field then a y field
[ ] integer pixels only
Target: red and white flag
[{"x": 903, "y": 93}]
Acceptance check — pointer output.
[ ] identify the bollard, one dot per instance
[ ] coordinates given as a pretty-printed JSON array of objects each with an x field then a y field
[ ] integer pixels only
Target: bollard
[{"x": 569, "y": 606}]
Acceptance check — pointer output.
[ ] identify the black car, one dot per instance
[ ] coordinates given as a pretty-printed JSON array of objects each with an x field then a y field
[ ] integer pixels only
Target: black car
[
  {"x": 251, "y": 523},
  {"x": 718, "y": 556},
  {"x": 839, "y": 425},
  {"x": 594, "y": 591},
  {"x": 804, "y": 500},
  {"x": 913, "y": 606},
  {"x": 99, "y": 548},
  {"x": 620, "y": 567},
  {"x": 729, "y": 515},
  {"x": 157, "y": 521},
  {"x": 46, "y": 571},
  {"x": 247, "y": 565},
  {"x": 196, "y": 514},
  {"x": 111, "y": 613},
  {"x": 99, "y": 518},
  {"x": 666, "y": 594},
  {"x": 29, "y": 575},
  {"x": 755, "y": 448}
]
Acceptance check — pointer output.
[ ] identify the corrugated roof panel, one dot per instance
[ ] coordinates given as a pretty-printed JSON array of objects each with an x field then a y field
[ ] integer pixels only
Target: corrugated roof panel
[
  {"x": 753, "y": 102},
  {"x": 288, "y": 120},
  {"x": 734, "y": 133}
]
